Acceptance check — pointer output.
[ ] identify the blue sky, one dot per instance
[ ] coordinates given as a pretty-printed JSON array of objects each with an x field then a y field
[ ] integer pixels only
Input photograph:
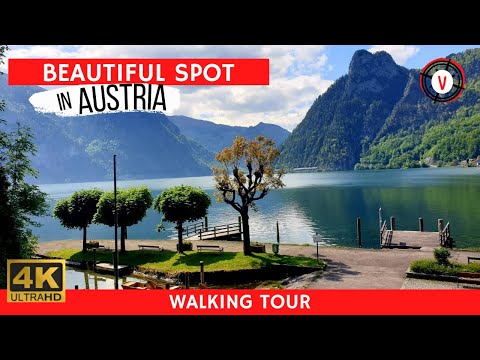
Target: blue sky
[{"x": 298, "y": 74}]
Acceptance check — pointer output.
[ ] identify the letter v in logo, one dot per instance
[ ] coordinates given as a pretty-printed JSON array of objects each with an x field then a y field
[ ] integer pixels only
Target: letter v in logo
[{"x": 442, "y": 81}]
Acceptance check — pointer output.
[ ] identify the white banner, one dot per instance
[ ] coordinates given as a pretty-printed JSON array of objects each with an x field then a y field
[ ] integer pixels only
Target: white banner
[{"x": 81, "y": 100}]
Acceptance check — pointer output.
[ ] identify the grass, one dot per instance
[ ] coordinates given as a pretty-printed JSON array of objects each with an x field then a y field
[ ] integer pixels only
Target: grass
[
  {"x": 473, "y": 249},
  {"x": 428, "y": 266},
  {"x": 171, "y": 262}
]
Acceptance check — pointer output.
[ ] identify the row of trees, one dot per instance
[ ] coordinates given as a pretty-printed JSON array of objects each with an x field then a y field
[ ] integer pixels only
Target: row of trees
[
  {"x": 178, "y": 205},
  {"x": 249, "y": 161}
]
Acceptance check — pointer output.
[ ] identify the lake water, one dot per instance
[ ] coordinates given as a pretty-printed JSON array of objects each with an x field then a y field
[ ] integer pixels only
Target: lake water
[
  {"x": 326, "y": 203},
  {"x": 89, "y": 280}
]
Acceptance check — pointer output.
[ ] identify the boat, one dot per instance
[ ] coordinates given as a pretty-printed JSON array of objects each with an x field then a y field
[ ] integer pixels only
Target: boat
[
  {"x": 137, "y": 285},
  {"x": 149, "y": 285}
]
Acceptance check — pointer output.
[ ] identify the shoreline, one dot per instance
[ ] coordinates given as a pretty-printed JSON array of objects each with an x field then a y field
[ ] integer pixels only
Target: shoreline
[{"x": 347, "y": 268}]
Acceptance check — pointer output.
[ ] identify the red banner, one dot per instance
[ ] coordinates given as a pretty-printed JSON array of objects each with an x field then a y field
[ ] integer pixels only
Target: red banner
[
  {"x": 133, "y": 71},
  {"x": 252, "y": 302}
]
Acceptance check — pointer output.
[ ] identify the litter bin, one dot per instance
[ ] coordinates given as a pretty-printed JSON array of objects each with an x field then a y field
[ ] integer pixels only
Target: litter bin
[{"x": 275, "y": 248}]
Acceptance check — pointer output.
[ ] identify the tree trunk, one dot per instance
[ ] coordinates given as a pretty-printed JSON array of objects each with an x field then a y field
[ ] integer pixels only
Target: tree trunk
[
  {"x": 122, "y": 238},
  {"x": 84, "y": 245},
  {"x": 246, "y": 233},
  {"x": 180, "y": 237}
]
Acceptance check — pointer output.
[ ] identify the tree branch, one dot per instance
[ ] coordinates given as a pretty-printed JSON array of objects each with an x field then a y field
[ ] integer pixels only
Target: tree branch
[
  {"x": 249, "y": 176},
  {"x": 240, "y": 184},
  {"x": 262, "y": 195},
  {"x": 231, "y": 201}
]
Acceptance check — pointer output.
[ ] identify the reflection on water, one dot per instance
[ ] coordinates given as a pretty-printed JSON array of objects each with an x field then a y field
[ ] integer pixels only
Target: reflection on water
[
  {"x": 85, "y": 279},
  {"x": 324, "y": 203}
]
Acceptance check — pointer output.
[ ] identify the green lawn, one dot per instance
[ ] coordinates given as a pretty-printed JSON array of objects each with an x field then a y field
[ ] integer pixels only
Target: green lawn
[{"x": 171, "y": 262}]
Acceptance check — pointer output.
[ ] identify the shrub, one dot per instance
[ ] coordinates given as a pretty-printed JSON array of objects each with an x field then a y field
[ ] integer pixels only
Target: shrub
[
  {"x": 93, "y": 244},
  {"x": 441, "y": 255},
  {"x": 427, "y": 266},
  {"x": 472, "y": 267},
  {"x": 186, "y": 246}
]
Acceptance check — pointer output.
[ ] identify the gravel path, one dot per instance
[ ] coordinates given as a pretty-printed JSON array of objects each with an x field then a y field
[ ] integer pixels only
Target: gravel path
[{"x": 348, "y": 268}]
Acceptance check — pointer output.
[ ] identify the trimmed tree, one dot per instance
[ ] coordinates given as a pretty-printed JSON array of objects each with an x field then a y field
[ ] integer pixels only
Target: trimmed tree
[
  {"x": 251, "y": 164},
  {"x": 77, "y": 211},
  {"x": 181, "y": 204},
  {"x": 132, "y": 206}
]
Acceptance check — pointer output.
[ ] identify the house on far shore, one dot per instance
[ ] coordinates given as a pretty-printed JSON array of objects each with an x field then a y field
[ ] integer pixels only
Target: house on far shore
[{"x": 470, "y": 162}]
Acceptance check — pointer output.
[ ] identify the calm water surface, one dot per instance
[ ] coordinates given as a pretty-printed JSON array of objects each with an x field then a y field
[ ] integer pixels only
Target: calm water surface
[{"x": 324, "y": 203}]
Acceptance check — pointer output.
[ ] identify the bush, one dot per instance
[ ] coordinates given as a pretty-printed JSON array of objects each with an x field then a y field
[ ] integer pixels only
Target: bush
[
  {"x": 427, "y": 266},
  {"x": 186, "y": 246},
  {"x": 441, "y": 255},
  {"x": 93, "y": 244},
  {"x": 472, "y": 267}
]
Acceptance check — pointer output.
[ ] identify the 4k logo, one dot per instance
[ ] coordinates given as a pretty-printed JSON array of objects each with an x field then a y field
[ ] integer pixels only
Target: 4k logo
[{"x": 36, "y": 280}]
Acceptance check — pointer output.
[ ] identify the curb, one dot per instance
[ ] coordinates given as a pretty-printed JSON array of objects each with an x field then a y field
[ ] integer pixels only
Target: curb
[{"x": 414, "y": 275}]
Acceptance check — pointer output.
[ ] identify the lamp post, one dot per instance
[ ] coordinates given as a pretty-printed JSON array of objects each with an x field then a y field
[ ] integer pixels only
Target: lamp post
[{"x": 276, "y": 246}]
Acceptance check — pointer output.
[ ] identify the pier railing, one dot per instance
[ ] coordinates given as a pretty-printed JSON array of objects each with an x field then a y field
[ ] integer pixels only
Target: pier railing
[
  {"x": 221, "y": 230},
  {"x": 445, "y": 237},
  {"x": 193, "y": 229}
]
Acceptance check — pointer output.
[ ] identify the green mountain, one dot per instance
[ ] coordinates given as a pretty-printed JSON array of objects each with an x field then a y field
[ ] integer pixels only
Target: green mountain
[
  {"x": 77, "y": 149},
  {"x": 215, "y": 137},
  {"x": 376, "y": 116}
]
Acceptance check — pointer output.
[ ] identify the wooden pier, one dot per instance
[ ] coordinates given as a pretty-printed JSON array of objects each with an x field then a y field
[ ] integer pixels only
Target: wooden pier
[
  {"x": 201, "y": 231},
  {"x": 107, "y": 268},
  {"x": 220, "y": 232},
  {"x": 392, "y": 238},
  {"x": 412, "y": 240}
]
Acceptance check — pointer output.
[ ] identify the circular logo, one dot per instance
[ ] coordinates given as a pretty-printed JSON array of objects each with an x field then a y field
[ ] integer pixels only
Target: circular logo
[{"x": 442, "y": 80}]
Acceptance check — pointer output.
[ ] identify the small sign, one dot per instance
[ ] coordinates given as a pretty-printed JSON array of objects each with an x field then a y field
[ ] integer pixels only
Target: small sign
[{"x": 317, "y": 238}]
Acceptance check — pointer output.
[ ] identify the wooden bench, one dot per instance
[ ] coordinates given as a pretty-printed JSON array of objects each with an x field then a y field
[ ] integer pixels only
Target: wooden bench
[
  {"x": 472, "y": 258},
  {"x": 209, "y": 247},
  {"x": 148, "y": 247}
]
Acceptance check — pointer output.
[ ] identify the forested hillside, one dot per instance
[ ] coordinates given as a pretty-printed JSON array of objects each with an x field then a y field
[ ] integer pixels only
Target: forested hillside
[{"x": 376, "y": 116}]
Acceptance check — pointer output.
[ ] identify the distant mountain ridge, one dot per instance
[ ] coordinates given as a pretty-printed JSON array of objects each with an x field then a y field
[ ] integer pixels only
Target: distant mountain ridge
[
  {"x": 376, "y": 116},
  {"x": 79, "y": 149},
  {"x": 215, "y": 137}
]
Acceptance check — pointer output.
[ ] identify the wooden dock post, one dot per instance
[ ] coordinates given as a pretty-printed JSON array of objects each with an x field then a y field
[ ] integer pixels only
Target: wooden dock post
[
  {"x": 380, "y": 225},
  {"x": 392, "y": 223},
  {"x": 206, "y": 223},
  {"x": 359, "y": 233},
  {"x": 420, "y": 224},
  {"x": 187, "y": 280},
  {"x": 202, "y": 273},
  {"x": 440, "y": 225}
]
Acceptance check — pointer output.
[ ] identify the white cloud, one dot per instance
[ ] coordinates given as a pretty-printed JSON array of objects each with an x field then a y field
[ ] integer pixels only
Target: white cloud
[
  {"x": 284, "y": 102},
  {"x": 295, "y": 78},
  {"x": 400, "y": 53}
]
